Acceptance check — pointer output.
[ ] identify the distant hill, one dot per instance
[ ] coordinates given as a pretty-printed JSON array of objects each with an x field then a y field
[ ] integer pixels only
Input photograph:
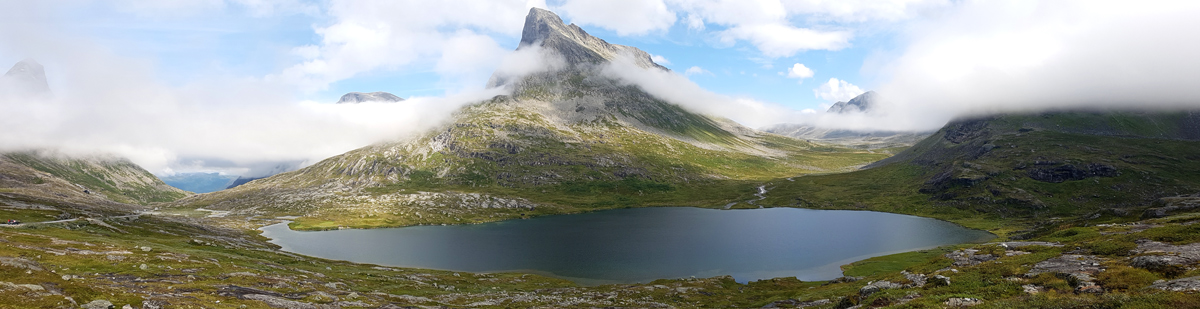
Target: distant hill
[
  {"x": 359, "y": 97},
  {"x": 1059, "y": 163},
  {"x": 866, "y": 139},
  {"x": 52, "y": 175},
  {"x": 200, "y": 182}
]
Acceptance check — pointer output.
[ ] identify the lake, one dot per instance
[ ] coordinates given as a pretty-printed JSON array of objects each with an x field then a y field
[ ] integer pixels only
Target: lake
[{"x": 642, "y": 244}]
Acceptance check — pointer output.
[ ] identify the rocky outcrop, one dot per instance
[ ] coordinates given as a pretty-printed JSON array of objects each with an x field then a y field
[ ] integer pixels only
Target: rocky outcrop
[
  {"x": 359, "y": 97},
  {"x": 573, "y": 44},
  {"x": 26, "y": 78},
  {"x": 1068, "y": 172},
  {"x": 860, "y": 104},
  {"x": 1173, "y": 205},
  {"x": 1189, "y": 284},
  {"x": 1165, "y": 258}
]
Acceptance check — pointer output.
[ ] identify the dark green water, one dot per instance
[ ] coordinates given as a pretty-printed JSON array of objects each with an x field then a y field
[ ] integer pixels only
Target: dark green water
[{"x": 642, "y": 244}]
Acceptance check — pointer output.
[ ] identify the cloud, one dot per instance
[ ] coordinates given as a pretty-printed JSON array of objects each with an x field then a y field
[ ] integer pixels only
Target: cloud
[
  {"x": 779, "y": 40},
  {"x": 626, "y": 17},
  {"x": 763, "y": 23},
  {"x": 366, "y": 36},
  {"x": 863, "y": 10},
  {"x": 660, "y": 60},
  {"x": 987, "y": 57},
  {"x": 696, "y": 70},
  {"x": 799, "y": 71},
  {"x": 837, "y": 90},
  {"x": 110, "y": 103},
  {"x": 677, "y": 89}
]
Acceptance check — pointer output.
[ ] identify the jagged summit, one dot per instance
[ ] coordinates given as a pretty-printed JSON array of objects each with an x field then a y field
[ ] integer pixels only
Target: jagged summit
[
  {"x": 27, "y": 77},
  {"x": 359, "y": 97},
  {"x": 575, "y": 45},
  {"x": 862, "y": 103}
]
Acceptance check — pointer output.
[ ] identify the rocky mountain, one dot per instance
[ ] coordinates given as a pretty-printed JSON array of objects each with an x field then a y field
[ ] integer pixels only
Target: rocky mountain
[
  {"x": 359, "y": 97},
  {"x": 87, "y": 179},
  {"x": 1059, "y": 163},
  {"x": 566, "y": 132},
  {"x": 25, "y": 79},
  {"x": 861, "y": 103},
  {"x": 849, "y": 138},
  {"x": 866, "y": 139}
]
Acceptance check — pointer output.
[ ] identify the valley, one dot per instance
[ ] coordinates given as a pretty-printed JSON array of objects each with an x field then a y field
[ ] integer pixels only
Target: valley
[{"x": 579, "y": 169}]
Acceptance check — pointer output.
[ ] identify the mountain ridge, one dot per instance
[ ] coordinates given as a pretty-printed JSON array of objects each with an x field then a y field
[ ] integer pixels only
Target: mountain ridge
[{"x": 569, "y": 129}]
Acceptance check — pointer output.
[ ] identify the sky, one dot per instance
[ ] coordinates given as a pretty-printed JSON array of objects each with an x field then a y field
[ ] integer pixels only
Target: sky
[{"x": 223, "y": 85}]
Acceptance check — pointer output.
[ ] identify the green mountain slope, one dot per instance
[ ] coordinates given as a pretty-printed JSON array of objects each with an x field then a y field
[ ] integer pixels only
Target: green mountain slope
[
  {"x": 46, "y": 174},
  {"x": 563, "y": 141},
  {"x": 1028, "y": 168}
]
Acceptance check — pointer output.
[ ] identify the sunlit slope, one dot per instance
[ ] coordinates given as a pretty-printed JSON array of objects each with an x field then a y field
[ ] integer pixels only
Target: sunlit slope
[
  {"x": 81, "y": 179},
  {"x": 566, "y": 139},
  {"x": 566, "y": 149},
  {"x": 1019, "y": 167}
]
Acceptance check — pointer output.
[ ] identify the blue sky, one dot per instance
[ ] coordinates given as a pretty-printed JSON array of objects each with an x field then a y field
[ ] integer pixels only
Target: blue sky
[
  {"x": 179, "y": 85},
  {"x": 233, "y": 39}
]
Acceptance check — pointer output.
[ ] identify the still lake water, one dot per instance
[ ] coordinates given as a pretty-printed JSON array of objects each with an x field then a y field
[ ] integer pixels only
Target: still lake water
[{"x": 642, "y": 244}]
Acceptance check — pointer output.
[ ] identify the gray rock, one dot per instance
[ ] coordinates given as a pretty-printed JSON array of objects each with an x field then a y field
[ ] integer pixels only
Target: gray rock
[
  {"x": 278, "y": 302},
  {"x": 359, "y": 97},
  {"x": 792, "y": 303},
  {"x": 918, "y": 280},
  {"x": 25, "y": 78},
  {"x": 1189, "y": 284},
  {"x": 939, "y": 280},
  {"x": 861, "y": 103},
  {"x": 21, "y": 263},
  {"x": 99, "y": 304},
  {"x": 1068, "y": 264},
  {"x": 577, "y": 47},
  {"x": 1018, "y": 244},
  {"x": 968, "y": 257},
  {"x": 962, "y": 302},
  {"x": 876, "y": 286},
  {"x": 1164, "y": 255}
]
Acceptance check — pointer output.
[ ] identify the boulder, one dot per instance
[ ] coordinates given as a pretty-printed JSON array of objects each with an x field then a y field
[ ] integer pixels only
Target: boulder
[
  {"x": 1189, "y": 284},
  {"x": 99, "y": 304},
  {"x": 962, "y": 302}
]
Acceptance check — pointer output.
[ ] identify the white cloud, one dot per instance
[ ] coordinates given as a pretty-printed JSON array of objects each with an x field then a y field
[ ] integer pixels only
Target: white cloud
[
  {"x": 389, "y": 35},
  {"x": 984, "y": 57},
  {"x": 626, "y": 17},
  {"x": 763, "y": 23},
  {"x": 837, "y": 90},
  {"x": 696, "y": 70},
  {"x": 779, "y": 40},
  {"x": 799, "y": 71},
  {"x": 863, "y": 10},
  {"x": 660, "y": 60}
]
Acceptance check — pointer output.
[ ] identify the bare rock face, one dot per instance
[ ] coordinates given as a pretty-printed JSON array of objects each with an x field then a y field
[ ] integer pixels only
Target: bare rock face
[
  {"x": 577, "y": 48},
  {"x": 26, "y": 78},
  {"x": 359, "y": 97},
  {"x": 575, "y": 45},
  {"x": 1189, "y": 284},
  {"x": 862, "y": 103}
]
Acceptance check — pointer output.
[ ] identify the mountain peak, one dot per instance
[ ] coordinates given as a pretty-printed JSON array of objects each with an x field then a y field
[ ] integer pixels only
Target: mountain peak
[
  {"x": 26, "y": 77},
  {"x": 378, "y": 96},
  {"x": 862, "y": 103},
  {"x": 573, "y": 44}
]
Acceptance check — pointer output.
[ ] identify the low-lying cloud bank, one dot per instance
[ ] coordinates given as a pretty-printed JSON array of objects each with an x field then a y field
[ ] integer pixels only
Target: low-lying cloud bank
[{"x": 982, "y": 57}]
